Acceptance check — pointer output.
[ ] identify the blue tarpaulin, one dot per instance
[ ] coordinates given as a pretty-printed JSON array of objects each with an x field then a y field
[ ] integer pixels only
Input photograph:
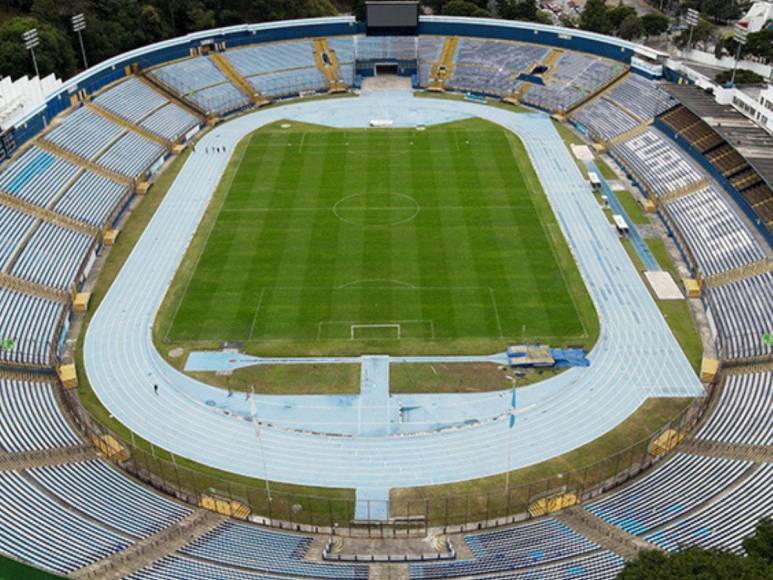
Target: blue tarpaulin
[{"x": 569, "y": 357}]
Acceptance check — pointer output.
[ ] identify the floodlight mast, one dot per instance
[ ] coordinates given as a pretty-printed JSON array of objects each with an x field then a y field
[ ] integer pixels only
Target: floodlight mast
[
  {"x": 739, "y": 35},
  {"x": 31, "y": 40},
  {"x": 78, "y": 26}
]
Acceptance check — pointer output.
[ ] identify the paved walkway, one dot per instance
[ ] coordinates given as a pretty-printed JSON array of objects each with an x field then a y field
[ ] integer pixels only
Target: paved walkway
[{"x": 636, "y": 356}]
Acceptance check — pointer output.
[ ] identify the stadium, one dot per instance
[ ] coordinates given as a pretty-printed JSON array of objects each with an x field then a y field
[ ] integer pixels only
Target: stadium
[{"x": 408, "y": 297}]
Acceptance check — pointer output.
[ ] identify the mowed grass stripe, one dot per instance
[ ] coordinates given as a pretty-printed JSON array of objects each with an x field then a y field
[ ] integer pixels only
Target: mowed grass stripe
[{"x": 474, "y": 263}]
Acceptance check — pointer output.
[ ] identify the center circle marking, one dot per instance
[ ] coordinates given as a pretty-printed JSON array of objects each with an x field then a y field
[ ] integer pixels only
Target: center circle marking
[{"x": 376, "y": 209}]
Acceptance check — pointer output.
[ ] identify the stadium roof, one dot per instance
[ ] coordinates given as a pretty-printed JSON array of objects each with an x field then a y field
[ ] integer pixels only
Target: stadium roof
[{"x": 749, "y": 139}]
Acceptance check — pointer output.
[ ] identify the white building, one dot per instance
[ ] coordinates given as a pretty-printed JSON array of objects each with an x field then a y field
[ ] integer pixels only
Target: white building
[
  {"x": 19, "y": 97},
  {"x": 757, "y": 16}
]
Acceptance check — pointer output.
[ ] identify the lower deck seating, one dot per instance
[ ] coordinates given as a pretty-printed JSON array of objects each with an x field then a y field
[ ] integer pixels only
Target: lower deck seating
[
  {"x": 725, "y": 523},
  {"x": 267, "y": 551},
  {"x": 289, "y": 82},
  {"x": 743, "y": 411},
  {"x": 474, "y": 79},
  {"x": 39, "y": 531},
  {"x": 31, "y": 419},
  {"x": 176, "y": 567},
  {"x": 601, "y": 565},
  {"x": 219, "y": 99},
  {"x": 509, "y": 549},
  {"x": 104, "y": 494},
  {"x": 664, "y": 493},
  {"x": 131, "y": 155},
  {"x": 54, "y": 256},
  {"x": 642, "y": 97},
  {"x": 743, "y": 313},
  {"x": 30, "y": 328},
  {"x": 85, "y": 133},
  {"x": 170, "y": 122}
]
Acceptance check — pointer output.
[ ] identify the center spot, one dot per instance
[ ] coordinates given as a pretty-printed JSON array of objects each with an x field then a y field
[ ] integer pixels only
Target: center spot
[{"x": 376, "y": 209}]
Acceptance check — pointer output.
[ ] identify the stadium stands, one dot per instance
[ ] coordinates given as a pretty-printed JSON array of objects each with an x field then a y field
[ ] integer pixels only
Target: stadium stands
[
  {"x": 742, "y": 312},
  {"x": 54, "y": 256},
  {"x": 14, "y": 227},
  {"x": 96, "y": 489},
  {"x": 743, "y": 411},
  {"x": 716, "y": 236},
  {"x": 37, "y": 176},
  {"x": 681, "y": 484},
  {"x": 40, "y": 531},
  {"x": 658, "y": 165},
  {"x": 257, "y": 549},
  {"x": 724, "y": 523},
  {"x": 31, "y": 420},
  {"x": 30, "y": 325},
  {"x": 64, "y": 517},
  {"x": 509, "y": 549}
]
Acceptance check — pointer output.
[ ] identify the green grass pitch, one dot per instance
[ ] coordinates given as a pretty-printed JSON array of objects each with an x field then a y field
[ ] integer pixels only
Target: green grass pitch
[{"x": 392, "y": 240}]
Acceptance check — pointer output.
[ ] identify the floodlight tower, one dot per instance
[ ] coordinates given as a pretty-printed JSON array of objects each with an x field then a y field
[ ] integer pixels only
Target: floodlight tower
[
  {"x": 31, "y": 40},
  {"x": 78, "y": 26},
  {"x": 692, "y": 22},
  {"x": 739, "y": 34}
]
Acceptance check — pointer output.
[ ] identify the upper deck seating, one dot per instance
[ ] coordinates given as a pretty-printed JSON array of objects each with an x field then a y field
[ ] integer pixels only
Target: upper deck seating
[
  {"x": 716, "y": 236},
  {"x": 664, "y": 493},
  {"x": 31, "y": 324},
  {"x": 742, "y": 414},
  {"x": 743, "y": 314},
  {"x": 53, "y": 256},
  {"x": 37, "y": 176},
  {"x": 508, "y": 549},
  {"x": 31, "y": 419}
]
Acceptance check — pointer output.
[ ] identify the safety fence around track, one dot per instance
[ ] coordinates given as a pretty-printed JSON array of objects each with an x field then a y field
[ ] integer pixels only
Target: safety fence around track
[{"x": 246, "y": 498}]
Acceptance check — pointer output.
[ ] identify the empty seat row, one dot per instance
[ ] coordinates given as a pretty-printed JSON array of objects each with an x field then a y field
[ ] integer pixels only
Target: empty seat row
[
  {"x": 743, "y": 315},
  {"x": 496, "y": 54},
  {"x": 247, "y": 546},
  {"x": 269, "y": 57},
  {"x": 658, "y": 165},
  {"x": 54, "y": 256},
  {"x": 715, "y": 235},
  {"x": 39, "y": 531},
  {"x": 664, "y": 493},
  {"x": 37, "y": 176},
  {"x": 92, "y": 199},
  {"x": 178, "y": 567},
  {"x": 96, "y": 489},
  {"x": 723, "y": 524},
  {"x": 219, "y": 99},
  {"x": 512, "y": 548},
  {"x": 189, "y": 75},
  {"x": 14, "y": 228},
  {"x": 385, "y": 47},
  {"x": 170, "y": 122},
  {"x": 131, "y": 155},
  {"x": 604, "y": 119},
  {"x": 289, "y": 82},
  {"x": 599, "y": 565},
  {"x": 30, "y": 328},
  {"x": 85, "y": 133},
  {"x": 31, "y": 419},
  {"x": 131, "y": 99},
  {"x": 743, "y": 411},
  {"x": 642, "y": 97}
]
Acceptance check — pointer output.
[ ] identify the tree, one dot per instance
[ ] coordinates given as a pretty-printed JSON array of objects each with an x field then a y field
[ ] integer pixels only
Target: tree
[
  {"x": 55, "y": 53},
  {"x": 759, "y": 44},
  {"x": 654, "y": 24},
  {"x": 703, "y": 34},
  {"x": 595, "y": 17},
  {"x": 618, "y": 14},
  {"x": 464, "y": 8},
  {"x": 630, "y": 28},
  {"x": 518, "y": 10},
  {"x": 698, "y": 564}
]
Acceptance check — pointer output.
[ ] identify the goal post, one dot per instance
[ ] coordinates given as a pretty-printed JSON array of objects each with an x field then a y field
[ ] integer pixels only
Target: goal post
[{"x": 389, "y": 331}]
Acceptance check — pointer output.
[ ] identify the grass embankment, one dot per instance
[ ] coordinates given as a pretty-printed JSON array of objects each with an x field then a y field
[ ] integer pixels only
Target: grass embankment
[
  {"x": 583, "y": 466},
  {"x": 191, "y": 476}
]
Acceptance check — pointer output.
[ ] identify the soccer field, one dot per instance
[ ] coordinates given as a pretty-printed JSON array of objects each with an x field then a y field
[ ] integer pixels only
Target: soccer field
[{"x": 380, "y": 241}]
